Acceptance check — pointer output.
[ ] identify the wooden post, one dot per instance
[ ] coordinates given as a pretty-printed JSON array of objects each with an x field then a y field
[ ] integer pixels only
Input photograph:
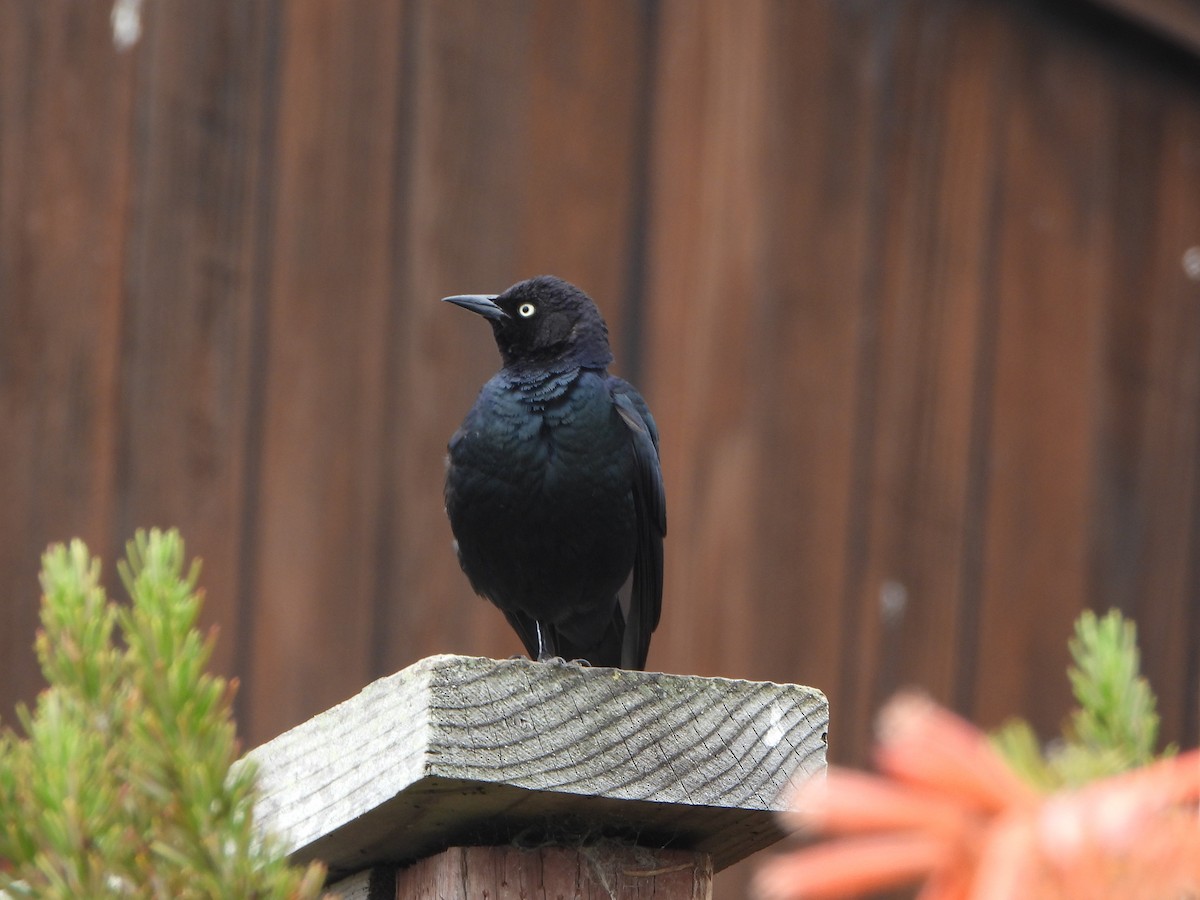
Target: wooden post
[
  {"x": 463, "y": 777},
  {"x": 597, "y": 873}
]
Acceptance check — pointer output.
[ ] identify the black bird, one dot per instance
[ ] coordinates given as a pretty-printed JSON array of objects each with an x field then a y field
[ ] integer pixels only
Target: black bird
[{"x": 553, "y": 485}]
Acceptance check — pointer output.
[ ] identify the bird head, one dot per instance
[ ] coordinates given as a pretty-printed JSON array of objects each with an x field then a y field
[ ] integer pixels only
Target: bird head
[{"x": 543, "y": 322}]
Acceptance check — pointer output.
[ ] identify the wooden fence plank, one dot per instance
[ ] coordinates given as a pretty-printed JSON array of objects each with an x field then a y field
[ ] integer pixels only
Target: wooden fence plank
[
  {"x": 580, "y": 166},
  {"x": 65, "y": 130},
  {"x": 330, "y": 286},
  {"x": 1055, "y": 240},
  {"x": 705, "y": 290},
  {"x": 191, "y": 348},
  {"x": 1145, "y": 530},
  {"x": 933, "y": 258},
  {"x": 815, "y": 343}
]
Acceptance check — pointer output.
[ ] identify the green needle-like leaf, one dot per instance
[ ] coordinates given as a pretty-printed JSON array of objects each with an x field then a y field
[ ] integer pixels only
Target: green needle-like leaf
[{"x": 120, "y": 785}]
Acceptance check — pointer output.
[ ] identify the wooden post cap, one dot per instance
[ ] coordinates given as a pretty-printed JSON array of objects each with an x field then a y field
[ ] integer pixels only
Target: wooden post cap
[{"x": 459, "y": 750}]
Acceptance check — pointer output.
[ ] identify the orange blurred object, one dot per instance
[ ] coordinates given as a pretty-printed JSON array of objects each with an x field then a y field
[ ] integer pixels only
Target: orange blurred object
[{"x": 948, "y": 813}]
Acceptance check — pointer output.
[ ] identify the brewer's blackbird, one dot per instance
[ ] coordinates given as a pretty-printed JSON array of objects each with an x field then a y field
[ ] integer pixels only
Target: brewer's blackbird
[{"x": 553, "y": 484}]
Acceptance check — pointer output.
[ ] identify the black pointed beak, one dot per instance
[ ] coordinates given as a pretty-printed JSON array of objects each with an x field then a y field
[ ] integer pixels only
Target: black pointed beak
[{"x": 483, "y": 304}]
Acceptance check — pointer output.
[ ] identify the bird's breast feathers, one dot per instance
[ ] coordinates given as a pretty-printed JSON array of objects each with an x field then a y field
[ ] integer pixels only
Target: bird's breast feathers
[{"x": 542, "y": 439}]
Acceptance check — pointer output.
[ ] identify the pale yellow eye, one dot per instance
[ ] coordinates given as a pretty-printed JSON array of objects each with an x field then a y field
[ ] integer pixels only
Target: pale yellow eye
[{"x": 525, "y": 310}]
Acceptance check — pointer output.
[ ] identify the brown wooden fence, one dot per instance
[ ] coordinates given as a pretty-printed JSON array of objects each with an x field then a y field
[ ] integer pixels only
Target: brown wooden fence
[{"x": 913, "y": 288}]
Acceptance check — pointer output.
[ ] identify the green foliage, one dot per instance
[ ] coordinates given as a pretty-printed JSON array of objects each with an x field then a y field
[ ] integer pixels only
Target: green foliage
[
  {"x": 1117, "y": 708},
  {"x": 123, "y": 784},
  {"x": 1116, "y": 725}
]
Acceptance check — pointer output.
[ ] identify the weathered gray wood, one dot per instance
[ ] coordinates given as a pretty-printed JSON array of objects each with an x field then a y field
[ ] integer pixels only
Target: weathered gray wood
[
  {"x": 601, "y": 872},
  {"x": 467, "y": 750}
]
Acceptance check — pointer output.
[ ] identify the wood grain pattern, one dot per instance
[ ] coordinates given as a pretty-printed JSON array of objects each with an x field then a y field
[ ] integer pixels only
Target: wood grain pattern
[
  {"x": 464, "y": 748},
  {"x": 603, "y": 872},
  {"x": 1143, "y": 534},
  {"x": 704, "y": 280},
  {"x": 331, "y": 255},
  {"x": 1053, "y": 248},
  {"x": 190, "y": 356},
  {"x": 66, "y": 108},
  {"x": 931, "y": 246}
]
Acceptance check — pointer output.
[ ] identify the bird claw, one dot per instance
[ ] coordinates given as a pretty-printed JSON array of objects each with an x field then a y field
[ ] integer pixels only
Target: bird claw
[{"x": 562, "y": 661}]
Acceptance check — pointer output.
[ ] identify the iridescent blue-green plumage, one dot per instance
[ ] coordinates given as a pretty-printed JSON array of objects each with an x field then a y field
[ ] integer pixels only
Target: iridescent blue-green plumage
[{"x": 553, "y": 485}]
